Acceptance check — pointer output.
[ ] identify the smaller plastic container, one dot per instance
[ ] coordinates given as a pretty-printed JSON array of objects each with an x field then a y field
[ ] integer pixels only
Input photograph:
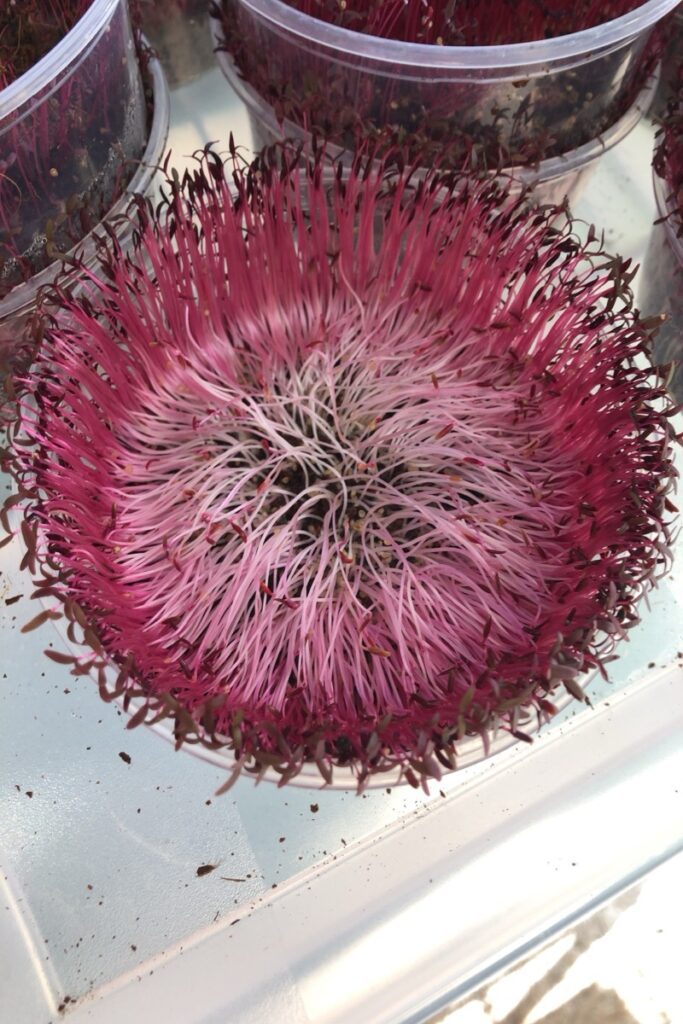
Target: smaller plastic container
[
  {"x": 531, "y": 101},
  {"x": 18, "y": 307},
  {"x": 552, "y": 179},
  {"x": 70, "y": 128},
  {"x": 660, "y": 288}
]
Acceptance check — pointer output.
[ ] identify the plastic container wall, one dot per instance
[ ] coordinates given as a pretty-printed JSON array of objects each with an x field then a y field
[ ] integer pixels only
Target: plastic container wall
[
  {"x": 528, "y": 101},
  {"x": 661, "y": 284},
  {"x": 69, "y": 129}
]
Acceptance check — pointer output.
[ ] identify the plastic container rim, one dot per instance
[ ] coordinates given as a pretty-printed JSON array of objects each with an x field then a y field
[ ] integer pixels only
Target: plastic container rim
[
  {"x": 77, "y": 39},
  {"x": 513, "y": 55},
  {"x": 669, "y": 215}
]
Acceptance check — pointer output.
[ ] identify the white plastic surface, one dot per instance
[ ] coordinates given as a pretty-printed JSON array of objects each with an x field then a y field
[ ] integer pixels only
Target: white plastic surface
[
  {"x": 322, "y": 906},
  {"x": 418, "y": 913}
]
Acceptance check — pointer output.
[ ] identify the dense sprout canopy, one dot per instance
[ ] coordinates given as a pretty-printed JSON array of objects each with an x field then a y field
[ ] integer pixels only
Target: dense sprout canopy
[{"x": 342, "y": 464}]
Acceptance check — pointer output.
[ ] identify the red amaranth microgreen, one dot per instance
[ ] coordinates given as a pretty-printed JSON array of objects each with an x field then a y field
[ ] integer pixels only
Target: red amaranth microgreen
[
  {"x": 339, "y": 465},
  {"x": 662, "y": 281}
]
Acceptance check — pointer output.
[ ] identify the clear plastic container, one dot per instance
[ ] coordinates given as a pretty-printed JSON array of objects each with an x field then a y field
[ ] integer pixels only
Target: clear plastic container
[
  {"x": 660, "y": 283},
  {"x": 19, "y": 305},
  {"x": 530, "y": 101},
  {"x": 70, "y": 127},
  {"x": 552, "y": 179}
]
